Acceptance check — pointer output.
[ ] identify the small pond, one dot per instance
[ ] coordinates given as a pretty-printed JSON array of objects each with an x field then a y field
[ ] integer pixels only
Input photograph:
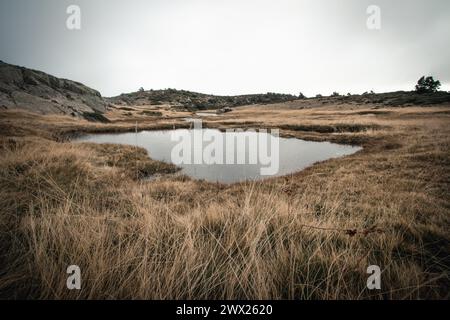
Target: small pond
[{"x": 289, "y": 156}]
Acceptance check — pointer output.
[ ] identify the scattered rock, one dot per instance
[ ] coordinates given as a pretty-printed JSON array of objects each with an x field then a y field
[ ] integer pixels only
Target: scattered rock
[{"x": 224, "y": 110}]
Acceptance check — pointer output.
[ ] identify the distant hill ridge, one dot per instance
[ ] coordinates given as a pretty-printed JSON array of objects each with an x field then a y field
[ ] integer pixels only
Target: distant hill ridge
[
  {"x": 391, "y": 99},
  {"x": 196, "y": 101},
  {"x": 183, "y": 99}
]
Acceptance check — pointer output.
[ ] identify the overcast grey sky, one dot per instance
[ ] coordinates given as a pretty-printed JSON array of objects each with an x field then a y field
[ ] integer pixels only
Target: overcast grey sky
[{"x": 231, "y": 46}]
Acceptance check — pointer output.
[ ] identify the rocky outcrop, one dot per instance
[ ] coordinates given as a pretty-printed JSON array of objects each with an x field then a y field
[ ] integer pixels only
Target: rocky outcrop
[
  {"x": 224, "y": 110},
  {"x": 39, "y": 92}
]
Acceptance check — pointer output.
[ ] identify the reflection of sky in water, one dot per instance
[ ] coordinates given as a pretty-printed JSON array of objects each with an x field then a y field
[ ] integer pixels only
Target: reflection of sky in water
[{"x": 294, "y": 154}]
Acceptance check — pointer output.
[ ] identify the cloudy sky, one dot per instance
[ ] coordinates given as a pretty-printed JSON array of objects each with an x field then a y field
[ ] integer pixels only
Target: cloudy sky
[{"x": 231, "y": 46}]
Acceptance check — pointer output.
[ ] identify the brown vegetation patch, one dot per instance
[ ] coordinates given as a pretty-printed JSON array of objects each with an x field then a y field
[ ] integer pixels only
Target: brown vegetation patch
[{"x": 309, "y": 235}]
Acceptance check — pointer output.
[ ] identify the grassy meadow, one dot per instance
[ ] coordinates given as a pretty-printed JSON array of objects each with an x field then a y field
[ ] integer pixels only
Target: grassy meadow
[{"x": 309, "y": 235}]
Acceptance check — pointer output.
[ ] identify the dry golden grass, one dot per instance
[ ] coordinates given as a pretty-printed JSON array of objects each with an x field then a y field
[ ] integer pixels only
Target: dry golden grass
[{"x": 64, "y": 203}]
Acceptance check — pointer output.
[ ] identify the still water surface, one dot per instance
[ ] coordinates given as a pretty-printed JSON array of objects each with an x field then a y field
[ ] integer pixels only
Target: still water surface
[{"x": 294, "y": 154}]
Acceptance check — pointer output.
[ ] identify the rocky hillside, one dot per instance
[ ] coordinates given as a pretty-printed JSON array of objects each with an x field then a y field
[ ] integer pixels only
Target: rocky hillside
[
  {"x": 183, "y": 99},
  {"x": 390, "y": 99},
  {"x": 42, "y": 93}
]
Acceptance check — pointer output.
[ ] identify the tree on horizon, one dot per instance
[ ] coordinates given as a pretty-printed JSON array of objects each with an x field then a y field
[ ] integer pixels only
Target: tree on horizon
[{"x": 427, "y": 85}]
